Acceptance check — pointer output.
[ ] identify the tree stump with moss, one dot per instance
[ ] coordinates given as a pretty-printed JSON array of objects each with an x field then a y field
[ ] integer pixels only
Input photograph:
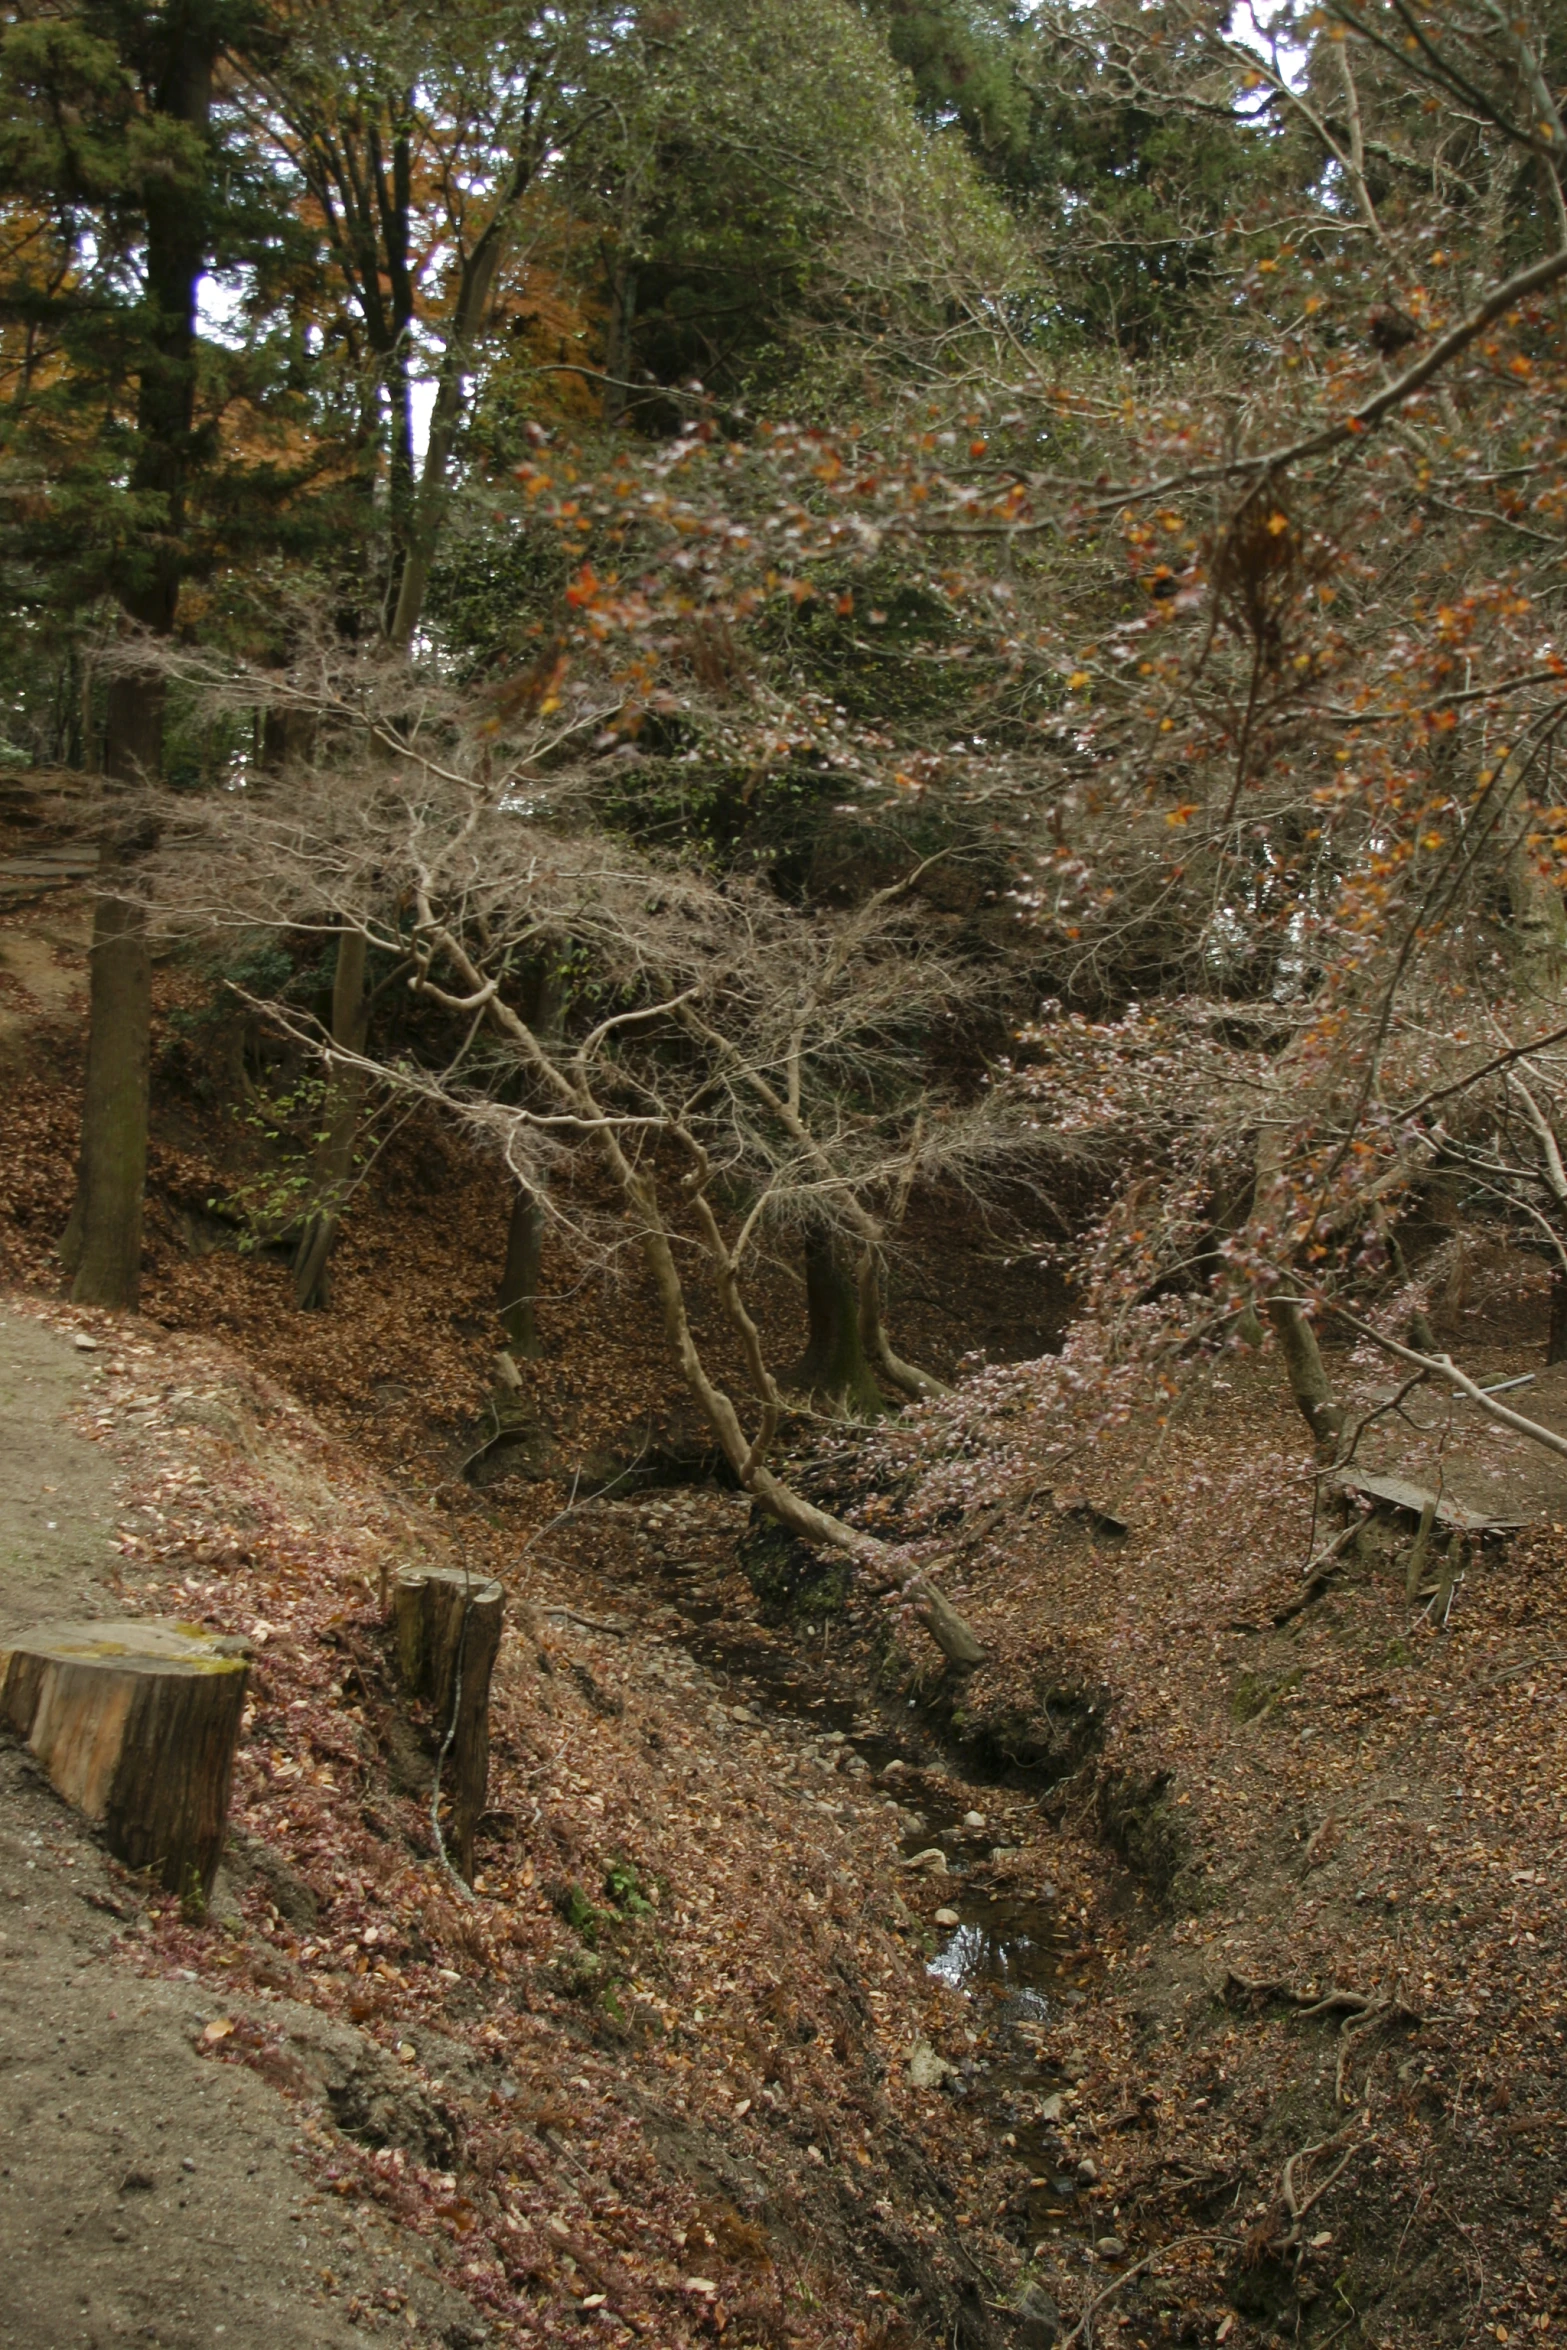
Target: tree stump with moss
[
  {"x": 135, "y": 1723},
  {"x": 448, "y": 1636}
]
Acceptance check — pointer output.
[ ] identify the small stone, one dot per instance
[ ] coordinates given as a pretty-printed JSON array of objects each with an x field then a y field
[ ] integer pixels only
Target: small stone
[
  {"x": 948, "y": 1917},
  {"x": 86, "y": 1346},
  {"x": 1052, "y": 2108},
  {"x": 1088, "y": 2172},
  {"x": 932, "y": 1861},
  {"x": 186, "y": 2163},
  {"x": 1110, "y": 2248},
  {"x": 973, "y": 1819},
  {"x": 1041, "y": 2319},
  {"x": 927, "y": 2070}
]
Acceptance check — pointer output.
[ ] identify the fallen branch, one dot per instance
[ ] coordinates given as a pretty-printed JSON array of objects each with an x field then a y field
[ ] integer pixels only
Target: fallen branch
[
  {"x": 1445, "y": 1367},
  {"x": 620, "y": 1628}
]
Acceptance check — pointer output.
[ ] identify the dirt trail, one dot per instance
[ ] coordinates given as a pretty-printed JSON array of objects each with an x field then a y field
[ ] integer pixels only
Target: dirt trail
[
  {"x": 144, "y": 2195},
  {"x": 56, "y": 1489}
]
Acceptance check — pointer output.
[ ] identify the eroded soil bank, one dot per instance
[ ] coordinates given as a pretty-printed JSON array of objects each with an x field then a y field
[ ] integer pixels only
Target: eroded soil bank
[{"x": 789, "y": 2009}]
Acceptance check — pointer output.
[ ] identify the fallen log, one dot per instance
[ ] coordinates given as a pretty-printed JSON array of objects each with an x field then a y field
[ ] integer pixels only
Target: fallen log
[
  {"x": 135, "y": 1723},
  {"x": 448, "y": 1636},
  {"x": 953, "y": 1635}
]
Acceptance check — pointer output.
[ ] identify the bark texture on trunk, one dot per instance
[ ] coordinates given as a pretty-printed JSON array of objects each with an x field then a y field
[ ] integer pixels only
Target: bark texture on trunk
[
  {"x": 135, "y": 1723},
  {"x": 101, "y": 1245},
  {"x": 1556, "y": 1339},
  {"x": 102, "y": 1242},
  {"x": 1307, "y": 1377},
  {"x": 448, "y": 1637},
  {"x": 544, "y": 1005},
  {"x": 517, "y": 1300},
  {"x": 834, "y": 1365},
  {"x": 335, "y": 1160},
  {"x": 950, "y": 1631},
  {"x": 1538, "y": 928}
]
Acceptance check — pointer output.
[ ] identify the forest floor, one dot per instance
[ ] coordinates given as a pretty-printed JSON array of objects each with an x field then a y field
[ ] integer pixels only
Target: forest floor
[{"x": 1192, "y": 1973}]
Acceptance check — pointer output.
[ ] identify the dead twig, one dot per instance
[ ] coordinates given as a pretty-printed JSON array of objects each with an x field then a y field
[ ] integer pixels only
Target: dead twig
[{"x": 620, "y": 1629}]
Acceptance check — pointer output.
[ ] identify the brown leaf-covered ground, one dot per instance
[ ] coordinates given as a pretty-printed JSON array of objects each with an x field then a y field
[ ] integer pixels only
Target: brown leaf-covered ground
[{"x": 1256, "y": 1977}]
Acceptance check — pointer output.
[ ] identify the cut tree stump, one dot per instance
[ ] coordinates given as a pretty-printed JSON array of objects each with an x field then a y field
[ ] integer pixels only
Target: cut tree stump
[
  {"x": 446, "y": 1619},
  {"x": 135, "y": 1723}
]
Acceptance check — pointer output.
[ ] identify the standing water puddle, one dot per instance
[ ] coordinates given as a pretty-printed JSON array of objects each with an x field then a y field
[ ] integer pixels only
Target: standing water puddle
[{"x": 1008, "y": 1955}]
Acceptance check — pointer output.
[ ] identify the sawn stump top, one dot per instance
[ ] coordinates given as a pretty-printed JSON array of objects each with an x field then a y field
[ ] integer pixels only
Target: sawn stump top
[{"x": 136, "y": 1644}]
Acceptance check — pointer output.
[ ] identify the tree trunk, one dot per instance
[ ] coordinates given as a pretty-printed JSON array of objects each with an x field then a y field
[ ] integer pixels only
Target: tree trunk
[
  {"x": 102, "y": 1242},
  {"x": 1556, "y": 1338},
  {"x": 288, "y": 738},
  {"x": 335, "y": 1159},
  {"x": 1538, "y": 927},
  {"x": 448, "y": 1637},
  {"x": 618, "y": 341},
  {"x": 1307, "y": 1377},
  {"x": 517, "y": 1300},
  {"x": 544, "y": 1004},
  {"x": 951, "y": 1633},
  {"x": 907, "y": 1378},
  {"x": 834, "y": 1364},
  {"x": 475, "y": 281},
  {"x": 135, "y": 1724},
  {"x": 101, "y": 1245}
]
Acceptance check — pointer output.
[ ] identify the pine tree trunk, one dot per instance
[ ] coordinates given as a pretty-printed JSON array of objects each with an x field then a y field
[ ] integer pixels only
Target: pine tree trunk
[
  {"x": 335, "y": 1160},
  {"x": 101, "y": 1245},
  {"x": 834, "y": 1364},
  {"x": 102, "y": 1242}
]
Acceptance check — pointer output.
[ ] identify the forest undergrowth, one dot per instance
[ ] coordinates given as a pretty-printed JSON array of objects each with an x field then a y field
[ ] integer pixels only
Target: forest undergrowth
[{"x": 681, "y": 2069}]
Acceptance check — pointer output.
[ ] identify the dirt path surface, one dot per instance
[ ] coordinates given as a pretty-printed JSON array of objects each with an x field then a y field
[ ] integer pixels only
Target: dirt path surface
[
  {"x": 145, "y": 2194},
  {"x": 56, "y": 1489}
]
